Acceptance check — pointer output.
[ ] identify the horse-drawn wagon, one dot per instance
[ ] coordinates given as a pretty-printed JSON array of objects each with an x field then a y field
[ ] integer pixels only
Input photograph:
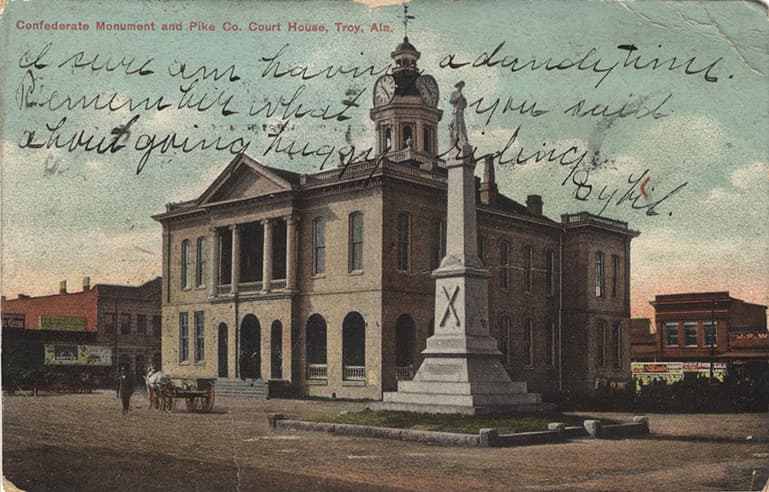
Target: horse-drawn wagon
[{"x": 198, "y": 393}]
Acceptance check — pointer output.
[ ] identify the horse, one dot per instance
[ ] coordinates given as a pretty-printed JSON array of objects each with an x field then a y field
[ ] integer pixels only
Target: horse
[{"x": 155, "y": 379}]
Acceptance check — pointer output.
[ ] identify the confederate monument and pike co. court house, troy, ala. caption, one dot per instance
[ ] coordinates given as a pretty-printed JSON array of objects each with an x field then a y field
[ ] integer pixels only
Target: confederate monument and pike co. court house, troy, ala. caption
[{"x": 341, "y": 284}]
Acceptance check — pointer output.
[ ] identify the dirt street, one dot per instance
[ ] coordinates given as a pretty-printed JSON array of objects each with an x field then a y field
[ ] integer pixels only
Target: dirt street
[{"x": 81, "y": 442}]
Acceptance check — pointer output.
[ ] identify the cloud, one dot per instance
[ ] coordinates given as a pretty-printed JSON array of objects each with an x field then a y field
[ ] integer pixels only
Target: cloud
[{"x": 746, "y": 182}]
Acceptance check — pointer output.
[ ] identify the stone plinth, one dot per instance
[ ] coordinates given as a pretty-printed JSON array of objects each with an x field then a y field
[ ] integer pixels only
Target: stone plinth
[{"x": 461, "y": 371}]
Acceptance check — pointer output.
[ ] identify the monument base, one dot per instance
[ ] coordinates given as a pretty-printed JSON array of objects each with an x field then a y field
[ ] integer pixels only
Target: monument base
[{"x": 466, "y": 385}]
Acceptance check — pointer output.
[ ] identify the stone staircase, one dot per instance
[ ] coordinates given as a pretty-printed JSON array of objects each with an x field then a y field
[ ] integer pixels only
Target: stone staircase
[{"x": 250, "y": 388}]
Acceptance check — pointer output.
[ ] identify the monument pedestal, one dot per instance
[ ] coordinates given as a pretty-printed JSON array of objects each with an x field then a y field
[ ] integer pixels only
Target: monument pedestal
[{"x": 461, "y": 372}]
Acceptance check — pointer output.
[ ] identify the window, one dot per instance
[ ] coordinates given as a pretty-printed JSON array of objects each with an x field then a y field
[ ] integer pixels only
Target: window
[
  {"x": 426, "y": 145},
  {"x": 353, "y": 346},
  {"x": 550, "y": 344},
  {"x": 316, "y": 340},
  {"x": 504, "y": 339},
  {"x": 528, "y": 345},
  {"x": 199, "y": 337},
  {"x": 184, "y": 338},
  {"x": 356, "y": 241},
  {"x": 403, "y": 241},
  {"x": 109, "y": 323},
  {"x": 614, "y": 275},
  {"x": 616, "y": 336},
  {"x": 549, "y": 272},
  {"x": 186, "y": 264},
  {"x": 600, "y": 355},
  {"x": 200, "y": 272},
  {"x": 504, "y": 265},
  {"x": 528, "y": 253},
  {"x": 318, "y": 246},
  {"x": 407, "y": 137},
  {"x": 156, "y": 325},
  {"x": 125, "y": 324},
  {"x": 141, "y": 324},
  {"x": 437, "y": 243},
  {"x": 690, "y": 334},
  {"x": 482, "y": 248},
  {"x": 598, "y": 274},
  {"x": 671, "y": 334},
  {"x": 709, "y": 328}
]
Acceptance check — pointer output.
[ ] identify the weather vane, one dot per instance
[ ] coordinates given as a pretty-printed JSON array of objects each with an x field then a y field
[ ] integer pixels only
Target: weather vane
[{"x": 406, "y": 18}]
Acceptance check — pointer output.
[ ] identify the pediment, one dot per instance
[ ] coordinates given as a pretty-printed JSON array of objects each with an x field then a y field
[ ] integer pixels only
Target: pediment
[{"x": 244, "y": 178}]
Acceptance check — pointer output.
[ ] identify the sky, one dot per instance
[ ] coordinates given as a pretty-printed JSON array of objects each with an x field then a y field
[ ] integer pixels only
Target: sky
[{"x": 693, "y": 131}]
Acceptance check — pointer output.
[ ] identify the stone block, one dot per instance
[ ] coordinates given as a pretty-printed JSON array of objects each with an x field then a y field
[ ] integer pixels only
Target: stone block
[
  {"x": 559, "y": 427},
  {"x": 488, "y": 437},
  {"x": 593, "y": 427}
]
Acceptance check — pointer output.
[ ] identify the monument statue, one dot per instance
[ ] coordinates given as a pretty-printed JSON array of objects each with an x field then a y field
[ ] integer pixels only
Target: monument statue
[
  {"x": 457, "y": 129},
  {"x": 461, "y": 371}
]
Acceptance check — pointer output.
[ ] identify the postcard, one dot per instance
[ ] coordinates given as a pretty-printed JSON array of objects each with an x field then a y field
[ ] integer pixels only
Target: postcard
[{"x": 276, "y": 174}]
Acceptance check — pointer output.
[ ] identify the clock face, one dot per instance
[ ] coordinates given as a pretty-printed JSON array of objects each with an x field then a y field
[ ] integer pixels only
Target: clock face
[
  {"x": 384, "y": 90},
  {"x": 428, "y": 90}
]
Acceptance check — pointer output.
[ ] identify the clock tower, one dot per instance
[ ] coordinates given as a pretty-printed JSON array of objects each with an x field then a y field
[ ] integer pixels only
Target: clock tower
[{"x": 406, "y": 110}]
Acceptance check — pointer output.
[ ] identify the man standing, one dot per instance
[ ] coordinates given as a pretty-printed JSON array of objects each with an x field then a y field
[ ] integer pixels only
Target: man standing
[{"x": 125, "y": 389}]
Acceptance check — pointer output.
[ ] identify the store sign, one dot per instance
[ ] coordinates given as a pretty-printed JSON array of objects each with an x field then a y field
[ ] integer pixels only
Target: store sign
[
  {"x": 77, "y": 355},
  {"x": 11, "y": 320},
  {"x": 670, "y": 372},
  {"x": 62, "y": 323}
]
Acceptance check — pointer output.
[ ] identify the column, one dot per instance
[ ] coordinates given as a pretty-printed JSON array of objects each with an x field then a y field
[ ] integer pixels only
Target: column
[
  {"x": 235, "y": 273},
  {"x": 213, "y": 271},
  {"x": 267, "y": 256},
  {"x": 291, "y": 252}
]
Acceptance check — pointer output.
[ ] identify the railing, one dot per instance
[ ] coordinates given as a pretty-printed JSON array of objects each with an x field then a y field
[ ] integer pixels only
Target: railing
[
  {"x": 586, "y": 218},
  {"x": 317, "y": 371},
  {"x": 354, "y": 373},
  {"x": 404, "y": 373},
  {"x": 250, "y": 286}
]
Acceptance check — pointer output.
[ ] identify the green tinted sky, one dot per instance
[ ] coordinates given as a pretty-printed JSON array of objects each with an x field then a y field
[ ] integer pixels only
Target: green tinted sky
[{"x": 68, "y": 215}]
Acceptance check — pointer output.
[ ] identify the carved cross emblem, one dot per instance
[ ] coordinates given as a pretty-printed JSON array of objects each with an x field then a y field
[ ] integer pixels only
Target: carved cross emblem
[{"x": 450, "y": 306}]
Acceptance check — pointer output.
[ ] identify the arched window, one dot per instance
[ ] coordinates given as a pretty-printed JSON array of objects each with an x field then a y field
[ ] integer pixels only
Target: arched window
[
  {"x": 388, "y": 141},
  {"x": 550, "y": 343},
  {"x": 600, "y": 351},
  {"x": 250, "y": 359},
  {"x": 504, "y": 265},
  {"x": 356, "y": 242},
  {"x": 427, "y": 141},
  {"x": 200, "y": 271},
  {"x": 318, "y": 246},
  {"x": 616, "y": 336},
  {"x": 404, "y": 238},
  {"x": 437, "y": 243},
  {"x": 407, "y": 136},
  {"x": 186, "y": 263},
  {"x": 315, "y": 337},
  {"x": 184, "y": 337},
  {"x": 405, "y": 347},
  {"x": 528, "y": 268},
  {"x": 482, "y": 252},
  {"x": 549, "y": 272},
  {"x": 599, "y": 274},
  {"x": 354, "y": 347},
  {"x": 528, "y": 343}
]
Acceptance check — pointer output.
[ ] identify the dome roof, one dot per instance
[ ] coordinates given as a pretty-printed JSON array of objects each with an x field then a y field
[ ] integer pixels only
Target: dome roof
[{"x": 406, "y": 46}]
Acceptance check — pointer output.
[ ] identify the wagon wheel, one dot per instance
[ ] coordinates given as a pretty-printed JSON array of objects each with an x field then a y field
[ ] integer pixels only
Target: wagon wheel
[
  {"x": 192, "y": 403},
  {"x": 168, "y": 399},
  {"x": 207, "y": 400}
]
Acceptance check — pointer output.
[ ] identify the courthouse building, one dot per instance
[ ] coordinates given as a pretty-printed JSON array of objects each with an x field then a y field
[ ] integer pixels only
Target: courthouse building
[{"x": 322, "y": 280}]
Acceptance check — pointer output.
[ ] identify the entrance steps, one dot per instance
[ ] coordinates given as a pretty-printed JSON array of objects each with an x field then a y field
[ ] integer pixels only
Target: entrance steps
[{"x": 250, "y": 388}]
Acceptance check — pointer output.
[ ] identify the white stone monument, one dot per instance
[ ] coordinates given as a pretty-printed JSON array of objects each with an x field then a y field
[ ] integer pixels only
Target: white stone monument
[{"x": 461, "y": 371}]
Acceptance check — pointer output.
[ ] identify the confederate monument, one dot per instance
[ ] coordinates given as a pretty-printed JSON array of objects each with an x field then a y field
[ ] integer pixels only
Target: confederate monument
[{"x": 461, "y": 371}]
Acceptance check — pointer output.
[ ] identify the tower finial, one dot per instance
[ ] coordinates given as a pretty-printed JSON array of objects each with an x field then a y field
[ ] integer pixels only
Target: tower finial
[{"x": 405, "y": 21}]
